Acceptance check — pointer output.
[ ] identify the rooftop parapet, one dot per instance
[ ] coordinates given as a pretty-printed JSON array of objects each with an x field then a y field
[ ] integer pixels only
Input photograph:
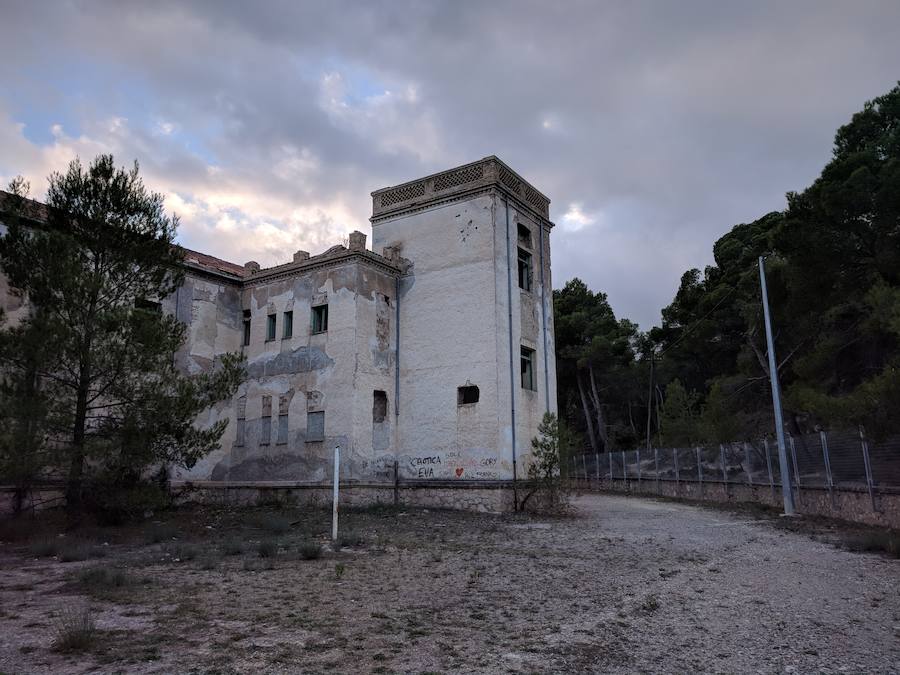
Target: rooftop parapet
[{"x": 487, "y": 172}]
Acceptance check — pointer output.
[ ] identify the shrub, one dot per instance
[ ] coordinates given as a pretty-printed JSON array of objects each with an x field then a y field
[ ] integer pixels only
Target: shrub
[
  {"x": 232, "y": 547},
  {"x": 76, "y": 551},
  {"x": 181, "y": 552},
  {"x": 209, "y": 561},
  {"x": 544, "y": 470},
  {"x": 160, "y": 532},
  {"x": 44, "y": 548},
  {"x": 104, "y": 577},
  {"x": 76, "y": 630},
  {"x": 310, "y": 550},
  {"x": 876, "y": 542},
  {"x": 272, "y": 522},
  {"x": 350, "y": 538},
  {"x": 267, "y": 548}
]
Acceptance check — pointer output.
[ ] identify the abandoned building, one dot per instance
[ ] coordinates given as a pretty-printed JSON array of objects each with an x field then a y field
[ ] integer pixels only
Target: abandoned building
[{"x": 432, "y": 353}]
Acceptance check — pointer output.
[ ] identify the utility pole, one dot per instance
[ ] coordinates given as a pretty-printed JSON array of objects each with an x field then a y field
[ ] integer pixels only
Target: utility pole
[{"x": 776, "y": 397}]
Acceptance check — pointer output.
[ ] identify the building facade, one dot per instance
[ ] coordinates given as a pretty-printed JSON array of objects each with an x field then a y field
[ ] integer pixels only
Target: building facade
[{"x": 428, "y": 360}]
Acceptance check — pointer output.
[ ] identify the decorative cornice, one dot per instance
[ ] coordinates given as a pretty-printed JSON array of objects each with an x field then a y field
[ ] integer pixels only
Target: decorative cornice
[{"x": 457, "y": 183}]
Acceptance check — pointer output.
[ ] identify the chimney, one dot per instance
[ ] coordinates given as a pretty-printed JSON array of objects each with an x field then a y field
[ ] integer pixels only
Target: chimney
[
  {"x": 300, "y": 256},
  {"x": 252, "y": 266},
  {"x": 357, "y": 241}
]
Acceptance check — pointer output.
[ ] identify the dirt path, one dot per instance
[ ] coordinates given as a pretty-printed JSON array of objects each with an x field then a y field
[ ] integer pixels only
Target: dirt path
[{"x": 625, "y": 585}]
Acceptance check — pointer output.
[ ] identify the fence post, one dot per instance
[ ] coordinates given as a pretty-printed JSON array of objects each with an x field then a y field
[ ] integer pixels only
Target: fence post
[
  {"x": 829, "y": 480},
  {"x": 749, "y": 465},
  {"x": 699, "y": 471},
  {"x": 796, "y": 466},
  {"x": 656, "y": 467},
  {"x": 769, "y": 467},
  {"x": 624, "y": 468},
  {"x": 639, "y": 466},
  {"x": 584, "y": 466},
  {"x": 597, "y": 466},
  {"x": 868, "y": 465},
  {"x": 724, "y": 468},
  {"x": 611, "y": 475},
  {"x": 677, "y": 477}
]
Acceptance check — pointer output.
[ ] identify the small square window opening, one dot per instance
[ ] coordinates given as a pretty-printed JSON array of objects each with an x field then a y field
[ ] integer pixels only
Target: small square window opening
[{"x": 467, "y": 395}]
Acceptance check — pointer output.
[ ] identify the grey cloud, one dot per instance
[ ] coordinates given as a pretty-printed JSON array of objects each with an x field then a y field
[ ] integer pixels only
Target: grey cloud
[{"x": 700, "y": 114}]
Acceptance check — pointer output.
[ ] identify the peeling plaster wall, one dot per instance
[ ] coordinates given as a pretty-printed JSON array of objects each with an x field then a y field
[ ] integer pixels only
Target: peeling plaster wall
[
  {"x": 453, "y": 330},
  {"x": 334, "y": 372}
]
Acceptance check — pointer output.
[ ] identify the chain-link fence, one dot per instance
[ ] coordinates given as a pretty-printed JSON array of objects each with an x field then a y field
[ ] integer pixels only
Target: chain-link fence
[{"x": 831, "y": 460}]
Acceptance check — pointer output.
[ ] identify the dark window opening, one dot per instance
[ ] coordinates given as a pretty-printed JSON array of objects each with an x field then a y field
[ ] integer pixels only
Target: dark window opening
[
  {"x": 527, "y": 361},
  {"x": 320, "y": 319},
  {"x": 467, "y": 394},
  {"x": 315, "y": 426},
  {"x": 379, "y": 407},
  {"x": 524, "y": 236},
  {"x": 270, "y": 328},
  {"x": 147, "y": 305},
  {"x": 288, "y": 330},
  {"x": 246, "y": 327},
  {"x": 524, "y": 270}
]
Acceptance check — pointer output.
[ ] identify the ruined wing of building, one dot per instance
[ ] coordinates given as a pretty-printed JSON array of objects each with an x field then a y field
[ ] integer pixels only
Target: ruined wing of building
[{"x": 429, "y": 360}]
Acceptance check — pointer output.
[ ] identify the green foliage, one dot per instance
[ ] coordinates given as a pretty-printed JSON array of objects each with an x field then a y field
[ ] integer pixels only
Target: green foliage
[
  {"x": 92, "y": 362},
  {"x": 548, "y": 447},
  {"x": 679, "y": 419},
  {"x": 310, "y": 550},
  {"x": 833, "y": 276}
]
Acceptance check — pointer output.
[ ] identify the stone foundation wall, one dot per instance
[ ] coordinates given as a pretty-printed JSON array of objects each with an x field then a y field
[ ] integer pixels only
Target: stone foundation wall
[
  {"x": 842, "y": 503},
  {"x": 487, "y": 497}
]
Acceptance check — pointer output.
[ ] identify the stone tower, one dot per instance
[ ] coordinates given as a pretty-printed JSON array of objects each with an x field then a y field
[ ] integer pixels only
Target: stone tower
[{"x": 475, "y": 368}]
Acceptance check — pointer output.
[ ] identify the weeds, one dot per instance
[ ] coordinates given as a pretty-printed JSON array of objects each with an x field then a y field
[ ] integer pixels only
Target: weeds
[
  {"x": 160, "y": 532},
  {"x": 44, "y": 548},
  {"x": 267, "y": 548},
  {"x": 339, "y": 571},
  {"x": 209, "y": 561},
  {"x": 875, "y": 542},
  {"x": 310, "y": 550},
  {"x": 650, "y": 604},
  {"x": 233, "y": 547},
  {"x": 350, "y": 538},
  {"x": 272, "y": 522},
  {"x": 76, "y": 551},
  {"x": 181, "y": 552},
  {"x": 76, "y": 630}
]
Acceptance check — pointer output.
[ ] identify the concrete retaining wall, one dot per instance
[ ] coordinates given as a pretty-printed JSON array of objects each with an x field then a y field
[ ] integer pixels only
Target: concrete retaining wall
[{"x": 842, "y": 503}]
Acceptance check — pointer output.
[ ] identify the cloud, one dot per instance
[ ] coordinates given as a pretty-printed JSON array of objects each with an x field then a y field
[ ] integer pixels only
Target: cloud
[{"x": 653, "y": 127}]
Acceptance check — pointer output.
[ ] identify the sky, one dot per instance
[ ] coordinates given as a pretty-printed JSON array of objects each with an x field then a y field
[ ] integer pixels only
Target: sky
[{"x": 654, "y": 127}]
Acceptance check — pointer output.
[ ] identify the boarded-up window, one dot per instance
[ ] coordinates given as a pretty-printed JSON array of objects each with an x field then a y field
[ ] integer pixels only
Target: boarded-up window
[
  {"x": 240, "y": 431},
  {"x": 379, "y": 406},
  {"x": 467, "y": 394},
  {"x": 315, "y": 426},
  {"x": 265, "y": 422},
  {"x": 282, "y": 430}
]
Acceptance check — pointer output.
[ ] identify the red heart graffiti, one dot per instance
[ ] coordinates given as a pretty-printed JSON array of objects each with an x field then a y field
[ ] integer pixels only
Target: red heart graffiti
[{"x": 459, "y": 472}]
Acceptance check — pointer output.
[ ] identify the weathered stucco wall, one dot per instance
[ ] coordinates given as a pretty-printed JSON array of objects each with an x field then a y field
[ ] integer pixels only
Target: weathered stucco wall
[
  {"x": 448, "y": 323},
  {"x": 289, "y": 379}
]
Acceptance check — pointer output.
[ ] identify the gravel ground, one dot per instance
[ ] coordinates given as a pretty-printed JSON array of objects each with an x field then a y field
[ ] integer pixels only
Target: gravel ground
[{"x": 625, "y": 584}]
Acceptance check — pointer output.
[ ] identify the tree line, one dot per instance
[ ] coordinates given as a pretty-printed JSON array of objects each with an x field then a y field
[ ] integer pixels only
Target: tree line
[{"x": 702, "y": 376}]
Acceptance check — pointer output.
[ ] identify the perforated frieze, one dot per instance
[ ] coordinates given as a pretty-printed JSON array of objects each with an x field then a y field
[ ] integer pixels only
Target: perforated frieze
[
  {"x": 508, "y": 178},
  {"x": 403, "y": 193},
  {"x": 534, "y": 197},
  {"x": 459, "y": 177}
]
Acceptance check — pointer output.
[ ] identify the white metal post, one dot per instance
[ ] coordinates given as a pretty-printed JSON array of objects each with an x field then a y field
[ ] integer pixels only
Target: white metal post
[
  {"x": 334, "y": 505},
  {"x": 786, "y": 491}
]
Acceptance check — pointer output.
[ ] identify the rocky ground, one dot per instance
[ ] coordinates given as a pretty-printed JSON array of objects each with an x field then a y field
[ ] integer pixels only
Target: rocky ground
[{"x": 622, "y": 585}]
